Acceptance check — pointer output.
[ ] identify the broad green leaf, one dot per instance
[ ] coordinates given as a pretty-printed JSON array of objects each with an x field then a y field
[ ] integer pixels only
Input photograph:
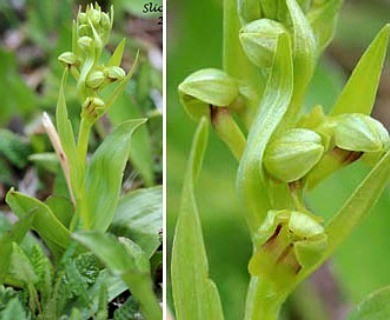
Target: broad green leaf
[
  {"x": 16, "y": 234},
  {"x": 251, "y": 179},
  {"x": 359, "y": 93},
  {"x": 128, "y": 261},
  {"x": 194, "y": 293},
  {"x": 139, "y": 217},
  {"x": 14, "y": 310},
  {"x": 45, "y": 222},
  {"x": 323, "y": 19},
  {"x": 104, "y": 175},
  {"x": 116, "y": 57},
  {"x": 62, "y": 208},
  {"x": 375, "y": 307},
  {"x": 66, "y": 135}
]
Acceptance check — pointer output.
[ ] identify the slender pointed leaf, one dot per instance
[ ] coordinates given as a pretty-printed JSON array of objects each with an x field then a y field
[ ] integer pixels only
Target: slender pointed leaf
[
  {"x": 359, "y": 93},
  {"x": 116, "y": 57},
  {"x": 359, "y": 203},
  {"x": 195, "y": 294},
  {"x": 104, "y": 175},
  {"x": 45, "y": 222},
  {"x": 251, "y": 180}
]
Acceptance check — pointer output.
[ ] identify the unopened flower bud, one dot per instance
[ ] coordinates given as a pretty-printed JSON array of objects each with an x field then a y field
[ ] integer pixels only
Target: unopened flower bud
[
  {"x": 205, "y": 88},
  {"x": 85, "y": 43},
  {"x": 95, "y": 16},
  {"x": 287, "y": 241},
  {"x": 95, "y": 79},
  {"x": 259, "y": 40},
  {"x": 84, "y": 30},
  {"x": 115, "y": 73},
  {"x": 292, "y": 155},
  {"x": 360, "y": 133},
  {"x": 82, "y": 18},
  {"x": 68, "y": 59}
]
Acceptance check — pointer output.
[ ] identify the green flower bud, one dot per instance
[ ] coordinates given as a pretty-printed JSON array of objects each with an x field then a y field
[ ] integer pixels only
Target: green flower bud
[
  {"x": 85, "y": 43},
  {"x": 360, "y": 133},
  {"x": 115, "y": 73},
  {"x": 286, "y": 242},
  {"x": 68, "y": 59},
  {"x": 95, "y": 16},
  {"x": 291, "y": 156},
  {"x": 93, "y": 108},
  {"x": 205, "y": 88},
  {"x": 84, "y": 30},
  {"x": 95, "y": 79},
  {"x": 259, "y": 40},
  {"x": 82, "y": 18}
]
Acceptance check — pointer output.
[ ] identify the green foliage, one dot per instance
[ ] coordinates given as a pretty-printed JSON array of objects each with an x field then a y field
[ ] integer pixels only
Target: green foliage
[
  {"x": 139, "y": 217},
  {"x": 195, "y": 295}
]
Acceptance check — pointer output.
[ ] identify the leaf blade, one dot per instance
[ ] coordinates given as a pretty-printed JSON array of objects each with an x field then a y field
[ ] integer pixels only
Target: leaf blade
[
  {"x": 195, "y": 294},
  {"x": 104, "y": 175},
  {"x": 359, "y": 94}
]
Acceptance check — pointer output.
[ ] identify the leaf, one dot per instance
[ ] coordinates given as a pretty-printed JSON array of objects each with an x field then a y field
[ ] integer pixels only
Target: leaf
[
  {"x": 21, "y": 268},
  {"x": 141, "y": 156},
  {"x": 62, "y": 208},
  {"x": 104, "y": 175},
  {"x": 358, "y": 206},
  {"x": 45, "y": 222},
  {"x": 116, "y": 57},
  {"x": 375, "y": 307},
  {"x": 14, "y": 310},
  {"x": 194, "y": 293},
  {"x": 16, "y": 234},
  {"x": 251, "y": 180},
  {"x": 127, "y": 260},
  {"x": 359, "y": 93},
  {"x": 139, "y": 217},
  {"x": 128, "y": 311},
  {"x": 102, "y": 313}
]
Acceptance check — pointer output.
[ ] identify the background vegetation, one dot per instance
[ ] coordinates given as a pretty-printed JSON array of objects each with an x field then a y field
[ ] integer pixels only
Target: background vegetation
[
  {"x": 32, "y": 35},
  {"x": 361, "y": 265}
]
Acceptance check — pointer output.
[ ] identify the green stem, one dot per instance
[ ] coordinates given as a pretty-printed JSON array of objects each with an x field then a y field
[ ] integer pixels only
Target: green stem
[
  {"x": 263, "y": 302},
  {"x": 142, "y": 289},
  {"x": 83, "y": 139}
]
